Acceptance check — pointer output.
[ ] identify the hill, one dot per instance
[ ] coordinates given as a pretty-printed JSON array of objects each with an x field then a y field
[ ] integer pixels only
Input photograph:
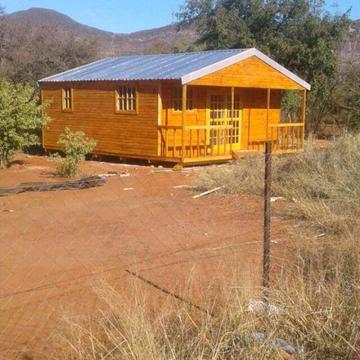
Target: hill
[{"x": 163, "y": 39}]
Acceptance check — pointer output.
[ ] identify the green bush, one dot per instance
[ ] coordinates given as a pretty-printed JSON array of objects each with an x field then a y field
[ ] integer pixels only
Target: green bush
[
  {"x": 21, "y": 119},
  {"x": 76, "y": 146}
]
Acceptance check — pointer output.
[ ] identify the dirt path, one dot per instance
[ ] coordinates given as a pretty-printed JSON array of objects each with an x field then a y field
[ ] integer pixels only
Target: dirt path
[{"x": 54, "y": 246}]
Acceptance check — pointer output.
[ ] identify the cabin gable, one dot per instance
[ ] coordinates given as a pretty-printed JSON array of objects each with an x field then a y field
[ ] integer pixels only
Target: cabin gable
[{"x": 250, "y": 73}]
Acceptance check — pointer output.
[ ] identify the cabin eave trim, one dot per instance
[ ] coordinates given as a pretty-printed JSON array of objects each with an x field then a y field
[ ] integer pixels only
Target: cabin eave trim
[{"x": 239, "y": 57}]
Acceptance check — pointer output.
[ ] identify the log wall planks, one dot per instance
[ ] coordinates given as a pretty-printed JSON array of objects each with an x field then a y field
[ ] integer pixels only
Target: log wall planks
[{"x": 94, "y": 113}]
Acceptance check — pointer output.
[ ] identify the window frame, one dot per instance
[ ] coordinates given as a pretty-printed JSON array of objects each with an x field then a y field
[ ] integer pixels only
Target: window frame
[
  {"x": 117, "y": 100},
  {"x": 178, "y": 99},
  {"x": 64, "y": 98}
]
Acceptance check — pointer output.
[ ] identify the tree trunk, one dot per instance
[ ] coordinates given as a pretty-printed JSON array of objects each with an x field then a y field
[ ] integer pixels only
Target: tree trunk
[{"x": 2, "y": 161}]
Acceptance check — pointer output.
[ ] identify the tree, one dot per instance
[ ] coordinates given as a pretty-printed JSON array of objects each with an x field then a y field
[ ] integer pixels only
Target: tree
[
  {"x": 346, "y": 98},
  {"x": 21, "y": 119},
  {"x": 299, "y": 34},
  {"x": 76, "y": 146}
]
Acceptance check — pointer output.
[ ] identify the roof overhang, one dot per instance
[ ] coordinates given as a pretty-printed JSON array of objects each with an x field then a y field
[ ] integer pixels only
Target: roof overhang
[{"x": 239, "y": 57}]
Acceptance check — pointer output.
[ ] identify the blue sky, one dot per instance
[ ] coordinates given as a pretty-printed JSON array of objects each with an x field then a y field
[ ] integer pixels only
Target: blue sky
[{"x": 132, "y": 15}]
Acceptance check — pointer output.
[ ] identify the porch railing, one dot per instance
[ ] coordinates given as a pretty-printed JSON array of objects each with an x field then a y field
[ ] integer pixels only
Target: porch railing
[
  {"x": 200, "y": 141},
  {"x": 287, "y": 137},
  {"x": 197, "y": 141}
]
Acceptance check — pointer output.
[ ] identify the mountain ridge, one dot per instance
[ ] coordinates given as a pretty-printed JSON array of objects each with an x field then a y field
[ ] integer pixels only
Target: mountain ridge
[{"x": 166, "y": 38}]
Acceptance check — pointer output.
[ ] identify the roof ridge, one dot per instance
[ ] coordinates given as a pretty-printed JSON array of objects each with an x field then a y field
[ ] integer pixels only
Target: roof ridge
[{"x": 180, "y": 53}]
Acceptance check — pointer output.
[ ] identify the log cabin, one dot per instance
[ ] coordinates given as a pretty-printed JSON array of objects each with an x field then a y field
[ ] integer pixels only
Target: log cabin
[{"x": 185, "y": 108}]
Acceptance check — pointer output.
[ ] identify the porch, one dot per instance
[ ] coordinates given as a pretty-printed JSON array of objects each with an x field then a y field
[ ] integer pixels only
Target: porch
[
  {"x": 228, "y": 126},
  {"x": 216, "y": 142}
]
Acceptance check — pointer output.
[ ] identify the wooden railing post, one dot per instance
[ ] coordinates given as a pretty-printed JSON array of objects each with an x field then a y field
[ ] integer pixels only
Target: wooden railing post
[
  {"x": 267, "y": 112},
  {"x": 303, "y": 115},
  {"x": 183, "y": 115},
  {"x": 232, "y": 118}
]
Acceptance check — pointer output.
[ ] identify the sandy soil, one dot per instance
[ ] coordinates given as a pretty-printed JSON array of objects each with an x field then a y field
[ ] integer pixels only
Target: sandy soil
[{"x": 56, "y": 246}]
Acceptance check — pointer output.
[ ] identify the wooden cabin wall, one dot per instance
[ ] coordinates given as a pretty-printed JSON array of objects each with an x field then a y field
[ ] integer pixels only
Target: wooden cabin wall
[
  {"x": 197, "y": 116},
  {"x": 254, "y": 120},
  {"x": 94, "y": 113}
]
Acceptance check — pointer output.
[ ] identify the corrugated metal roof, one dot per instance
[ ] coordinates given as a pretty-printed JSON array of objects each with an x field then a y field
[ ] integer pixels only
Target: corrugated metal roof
[
  {"x": 144, "y": 67},
  {"x": 181, "y": 66}
]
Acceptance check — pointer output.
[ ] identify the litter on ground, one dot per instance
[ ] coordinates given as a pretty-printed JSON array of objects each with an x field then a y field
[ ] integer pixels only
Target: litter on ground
[
  {"x": 207, "y": 192},
  {"x": 84, "y": 183}
]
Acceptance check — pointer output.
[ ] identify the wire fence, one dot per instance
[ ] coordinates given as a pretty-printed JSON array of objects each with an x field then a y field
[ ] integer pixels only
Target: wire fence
[{"x": 55, "y": 246}]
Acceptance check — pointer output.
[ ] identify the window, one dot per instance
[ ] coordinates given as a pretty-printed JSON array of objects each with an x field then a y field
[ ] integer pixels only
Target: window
[
  {"x": 177, "y": 99},
  {"x": 126, "y": 98},
  {"x": 67, "y": 99}
]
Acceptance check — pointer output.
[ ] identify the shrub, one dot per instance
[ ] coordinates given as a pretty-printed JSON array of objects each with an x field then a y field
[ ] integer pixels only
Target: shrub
[
  {"x": 76, "y": 146},
  {"x": 21, "y": 119}
]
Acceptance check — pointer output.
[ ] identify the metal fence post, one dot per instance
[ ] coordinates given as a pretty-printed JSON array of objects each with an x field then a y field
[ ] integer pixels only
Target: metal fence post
[{"x": 267, "y": 217}]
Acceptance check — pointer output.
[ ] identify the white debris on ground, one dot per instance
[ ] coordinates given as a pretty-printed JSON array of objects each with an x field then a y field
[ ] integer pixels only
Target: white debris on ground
[
  {"x": 115, "y": 173},
  {"x": 259, "y": 307},
  {"x": 184, "y": 186},
  {"x": 276, "y": 198},
  {"x": 208, "y": 192}
]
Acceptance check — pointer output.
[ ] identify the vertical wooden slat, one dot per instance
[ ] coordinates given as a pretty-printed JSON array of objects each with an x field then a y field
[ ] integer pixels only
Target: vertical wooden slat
[
  {"x": 183, "y": 115},
  {"x": 303, "y": 116},
  {"x": 174, "y": 142},
  {"x": 232, "y": 118},
  {"x": 205, "y": 142},
  {"x": 191, "y": 142},
  {"x": 198, "y": 141},
  {"x": 166, "y": 141},
  {"x": 159, "y": 115},
  {"x": 268, "y": 112}
]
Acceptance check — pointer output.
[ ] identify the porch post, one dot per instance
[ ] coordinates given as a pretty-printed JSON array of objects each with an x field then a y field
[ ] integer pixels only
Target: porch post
[
  {"x": 303, "y": 115},
  {"x": 303, "y": 106},
  {"x": 183, "y": 115},
  {"x": 232, "y": 117},
  {"x": 267, "y": 112}
]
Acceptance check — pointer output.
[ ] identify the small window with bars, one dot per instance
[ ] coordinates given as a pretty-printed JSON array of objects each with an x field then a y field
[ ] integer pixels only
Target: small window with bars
[
  {"x": 67, "y": 101},
  {"x": 126, "y": 99},
  {"x": 177, "y": 99}
]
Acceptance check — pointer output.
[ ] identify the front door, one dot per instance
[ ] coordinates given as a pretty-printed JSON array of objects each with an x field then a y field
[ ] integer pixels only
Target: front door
[{"x": 220, "y": 114}]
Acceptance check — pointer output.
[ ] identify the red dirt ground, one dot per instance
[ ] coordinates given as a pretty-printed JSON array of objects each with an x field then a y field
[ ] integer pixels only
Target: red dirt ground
[{"x": 54, "y": 246}]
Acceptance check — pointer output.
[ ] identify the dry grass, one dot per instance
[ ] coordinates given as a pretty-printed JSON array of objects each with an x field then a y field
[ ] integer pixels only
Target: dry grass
[
  {"x": 324, "y": 184},
  {"x": 318, "y": 296}
]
